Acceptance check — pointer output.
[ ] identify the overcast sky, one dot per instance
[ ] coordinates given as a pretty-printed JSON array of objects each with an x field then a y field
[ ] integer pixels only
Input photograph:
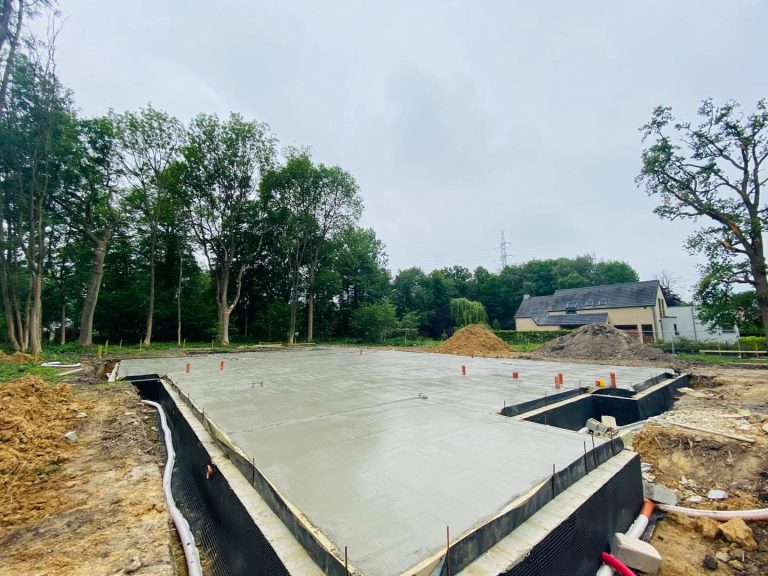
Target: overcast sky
[{"x": 458, "y": 119}]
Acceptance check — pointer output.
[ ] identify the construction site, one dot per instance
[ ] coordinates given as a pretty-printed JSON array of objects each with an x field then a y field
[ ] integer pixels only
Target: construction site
[{"x": 464, "y": 459}]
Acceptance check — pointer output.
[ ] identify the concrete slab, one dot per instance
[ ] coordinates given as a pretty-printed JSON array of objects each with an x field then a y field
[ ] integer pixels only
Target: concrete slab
[{"x": 352, "y": 442}]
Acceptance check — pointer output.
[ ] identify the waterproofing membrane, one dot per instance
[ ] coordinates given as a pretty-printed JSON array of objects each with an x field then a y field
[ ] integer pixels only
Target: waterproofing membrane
[{"x": 230, "y": 541}]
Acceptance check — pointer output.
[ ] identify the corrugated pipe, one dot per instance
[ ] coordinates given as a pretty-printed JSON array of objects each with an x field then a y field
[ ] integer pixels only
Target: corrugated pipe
[
  {"x": 756, "y": 514},
  {"x": 615, "y": 564},
  {"x": 182, "y": 527},
  {"x": 635, "y": 531}
]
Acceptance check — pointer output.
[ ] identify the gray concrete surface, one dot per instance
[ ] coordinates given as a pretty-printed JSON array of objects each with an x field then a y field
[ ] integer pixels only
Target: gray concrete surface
[{"x": 347, "y": 438}]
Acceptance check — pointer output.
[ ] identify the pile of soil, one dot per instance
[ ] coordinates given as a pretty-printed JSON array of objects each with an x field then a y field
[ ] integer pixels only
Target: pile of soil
[
  {"x": 33, "y": 421},
  {"x": 599, "y": 342},
  {"x": 17, "y": 357},
  {"x": 474, "y": 340}
]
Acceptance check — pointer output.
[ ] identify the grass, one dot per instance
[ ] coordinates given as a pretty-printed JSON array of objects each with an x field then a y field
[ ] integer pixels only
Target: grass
[{"x": 12, "y": 370}]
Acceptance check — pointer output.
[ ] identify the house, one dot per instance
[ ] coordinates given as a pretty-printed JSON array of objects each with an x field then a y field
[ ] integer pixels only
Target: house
[
  {"x": 635, "y": 307},
  {"x": 683, "y": 322}
]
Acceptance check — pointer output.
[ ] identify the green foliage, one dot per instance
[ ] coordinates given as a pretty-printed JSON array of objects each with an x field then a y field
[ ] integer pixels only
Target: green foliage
[
  {"x": 465, "y": 312},
  {"x": 529, "y": 337},
  {"x": 714, "y": 170},
  {"x": 374, "y": 322}
]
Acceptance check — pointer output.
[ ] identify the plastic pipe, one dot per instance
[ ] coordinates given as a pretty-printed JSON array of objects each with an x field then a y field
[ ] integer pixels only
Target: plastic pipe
[
  {"x": 756, "y": 514},
  {"x": 182, "y": 526},
  {"x": 616, "y": 564},
  {"x": 635, "y": 531}
]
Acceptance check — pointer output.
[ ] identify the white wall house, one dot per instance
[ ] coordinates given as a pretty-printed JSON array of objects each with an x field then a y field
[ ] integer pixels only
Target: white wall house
[{"x": 683, "y": 322}]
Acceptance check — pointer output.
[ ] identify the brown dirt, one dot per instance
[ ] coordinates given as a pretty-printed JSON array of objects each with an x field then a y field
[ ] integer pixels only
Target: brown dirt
[
  {"x": 89, "y": 507},
  {"x": 17, "y": 357},
  {"x": 474, "y": 340},
  {"x": 735, "y": 401},
  {"x": 599, "y": 342}
]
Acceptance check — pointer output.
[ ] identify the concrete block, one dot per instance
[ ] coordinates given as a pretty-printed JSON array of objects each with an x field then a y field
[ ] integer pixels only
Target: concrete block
[
  {"x": 636, "y": 553},
  {"x": 609, "y": 421},
  {"x": 660, "y": 494},
  {"x": 597, "y": 427}
]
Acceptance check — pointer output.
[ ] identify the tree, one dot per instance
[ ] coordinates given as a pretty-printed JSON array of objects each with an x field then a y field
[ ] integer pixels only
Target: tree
[
  {"x": 91, "y": 203},
  {"x": 33, "y": 149},
  {"x": 316, "y": 201},
  {"x": 374, "y": 322},
  {"x": 222, "y": 164},
  {"x": 150, "y": 141},
  {"x": 715, "y": 169},
  {"x": 466, "y": 312},
  {"x": 669, "y": 284}
]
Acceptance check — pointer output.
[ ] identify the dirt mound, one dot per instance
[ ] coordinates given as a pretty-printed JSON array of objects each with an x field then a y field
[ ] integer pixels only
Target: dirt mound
[
  {"x": 33, "y": 421},
  {"x": 599, "y": 342},
  {"x": 18, "y": 357},
  {"x": 474, "y": 340}
]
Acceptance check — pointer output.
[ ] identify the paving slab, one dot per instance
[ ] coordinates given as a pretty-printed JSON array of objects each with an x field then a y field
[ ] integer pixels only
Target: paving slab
[{"x": 382, "y": 450}]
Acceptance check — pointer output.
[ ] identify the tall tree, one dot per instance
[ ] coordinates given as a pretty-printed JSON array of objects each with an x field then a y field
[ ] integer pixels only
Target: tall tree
[
  {"x": 223, "y": 161},
  {"x": 91, "y": 202},
  {"x": 150, "y": 141},
  {"x": 317, "y": 201},
  {"x": 715, "y": 169},
  {"x": 32, "y": 146}
]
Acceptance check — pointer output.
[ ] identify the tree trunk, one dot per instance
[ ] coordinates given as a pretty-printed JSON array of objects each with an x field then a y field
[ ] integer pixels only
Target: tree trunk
[
  {"x": 8, "y": 306},
  {"x": 36, "y": 320},
  {"x": 178, "y": 303},
  {"x": 151, "y": 304},
  {"x": 311, "y": 304},
  {"x": 10, "y": 56},
  {"x": 761, "y": 288},
  {"x": 222, "y": 308},
  {"x": 294, "y": 305},
  {"x": 91, "y": 298},
  {"x": 63, "y": 328}
]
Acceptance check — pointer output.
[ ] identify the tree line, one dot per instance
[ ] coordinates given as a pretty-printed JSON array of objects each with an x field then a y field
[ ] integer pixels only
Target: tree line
[{"x": 136, "y": 226}]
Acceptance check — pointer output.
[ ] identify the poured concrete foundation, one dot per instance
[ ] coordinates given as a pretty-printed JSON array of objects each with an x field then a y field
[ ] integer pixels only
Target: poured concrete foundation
[{"x": 380, "y": 452}]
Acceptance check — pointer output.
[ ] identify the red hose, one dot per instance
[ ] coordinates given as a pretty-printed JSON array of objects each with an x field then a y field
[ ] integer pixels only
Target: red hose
[{"x": 616, "y": 564}]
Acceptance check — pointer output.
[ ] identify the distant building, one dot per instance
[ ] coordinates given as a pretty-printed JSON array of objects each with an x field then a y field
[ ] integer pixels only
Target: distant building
[
  {"x": 683, "y": 322},
  {"x": 635, "y": 307}
]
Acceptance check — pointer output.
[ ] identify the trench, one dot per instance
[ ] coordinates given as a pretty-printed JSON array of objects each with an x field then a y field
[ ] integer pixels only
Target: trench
[{"x": 229, "y": 541}]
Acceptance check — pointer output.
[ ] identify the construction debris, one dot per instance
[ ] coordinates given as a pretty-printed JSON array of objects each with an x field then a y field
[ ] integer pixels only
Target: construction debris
[{"x": 599, "y": 342}]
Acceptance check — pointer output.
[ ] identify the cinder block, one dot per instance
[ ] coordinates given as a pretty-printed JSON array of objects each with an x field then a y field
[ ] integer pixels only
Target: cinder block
[
  {"x": 636, "y": 553},
  {"x": 609, "y": 421},
  {"x": 660, "y": 494},
  {"x": 596, "y": 427}
]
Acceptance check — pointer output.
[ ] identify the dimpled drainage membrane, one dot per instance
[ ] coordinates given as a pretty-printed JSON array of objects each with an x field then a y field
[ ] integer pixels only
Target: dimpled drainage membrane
[{"x": 382, "y": 451}]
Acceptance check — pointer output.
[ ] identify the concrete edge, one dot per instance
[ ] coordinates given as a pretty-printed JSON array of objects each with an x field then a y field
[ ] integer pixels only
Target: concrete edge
[
  {"x": 293, "y": 556},
  {"x": 513, "y": 548}
]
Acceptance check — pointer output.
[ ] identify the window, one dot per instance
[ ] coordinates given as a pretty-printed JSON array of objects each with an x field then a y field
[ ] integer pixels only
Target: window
[
  {"x": 589, "y": 303},
  {"x": 535, "y": 309},
  {"x": 570, "y": 308},
  {"x": 602, "y": 302}
]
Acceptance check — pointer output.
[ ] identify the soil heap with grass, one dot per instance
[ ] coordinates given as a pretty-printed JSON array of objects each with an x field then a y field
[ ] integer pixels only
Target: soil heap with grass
[
  {"x": 599, "y": 342},
  {"x": 474, "y": 340}
]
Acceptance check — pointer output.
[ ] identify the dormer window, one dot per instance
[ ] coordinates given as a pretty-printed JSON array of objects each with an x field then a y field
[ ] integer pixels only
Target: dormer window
[
  {"x": 535, "y": 309},
  {"x": 602, "y": 302},
  {"x": 570, "y": 308},
  {"x": 589, "y": 303}
]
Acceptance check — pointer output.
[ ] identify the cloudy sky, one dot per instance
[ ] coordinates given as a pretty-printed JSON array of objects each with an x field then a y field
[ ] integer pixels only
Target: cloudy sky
[{"x": 458, "y": 119}]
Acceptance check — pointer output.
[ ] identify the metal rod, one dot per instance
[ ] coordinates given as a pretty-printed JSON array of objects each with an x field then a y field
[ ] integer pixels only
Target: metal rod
[
  {"x": 346, "y": 561},
  {"x": 448, "y": 549},
  {"x": 594, "y": 456}
]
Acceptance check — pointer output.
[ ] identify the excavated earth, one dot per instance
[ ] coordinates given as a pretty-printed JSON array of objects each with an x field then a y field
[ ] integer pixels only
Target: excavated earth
[
  {"x": 474, "y": 340},
  {"x": 599, "y": 342},
  {"x": 91, "y": 506}
]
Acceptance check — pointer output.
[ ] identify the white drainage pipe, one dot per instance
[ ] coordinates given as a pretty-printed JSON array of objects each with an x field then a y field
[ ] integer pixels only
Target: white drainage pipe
[
  {"x": 635, "y": 531},
  {"x": 756, "y": 514},
  {"x": 182, "y": 527}
]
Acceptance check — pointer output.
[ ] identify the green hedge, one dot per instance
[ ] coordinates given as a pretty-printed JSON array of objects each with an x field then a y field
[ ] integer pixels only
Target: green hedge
[
  {"x": 529, "y": 336},
  {"x": 689, "y": 346}
]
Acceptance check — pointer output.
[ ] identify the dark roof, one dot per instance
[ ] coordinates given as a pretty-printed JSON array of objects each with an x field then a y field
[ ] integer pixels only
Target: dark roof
[
  {"x": 615, "y": 296},
  {"x": 571, "y": 319}
]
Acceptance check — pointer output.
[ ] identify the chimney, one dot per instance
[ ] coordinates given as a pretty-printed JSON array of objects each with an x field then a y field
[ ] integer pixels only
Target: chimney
[{"x": 526, "y": 296}]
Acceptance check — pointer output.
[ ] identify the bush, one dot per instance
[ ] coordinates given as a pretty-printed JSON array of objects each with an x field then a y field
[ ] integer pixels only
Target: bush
[{"x": 529, "y": 336}]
